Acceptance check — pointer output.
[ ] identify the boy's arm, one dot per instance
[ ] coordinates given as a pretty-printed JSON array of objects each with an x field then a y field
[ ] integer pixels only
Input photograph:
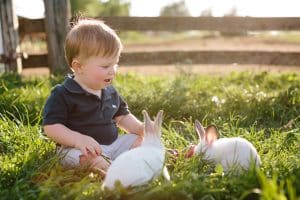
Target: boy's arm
[
  {"x": 65, "y": 136},
  {"x": 130, "y": 124}
]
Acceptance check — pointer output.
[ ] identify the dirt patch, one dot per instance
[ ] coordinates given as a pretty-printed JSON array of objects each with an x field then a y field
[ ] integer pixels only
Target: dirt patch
[
  {"x": 35, "y": 72},
  {"x": 175, "y": 70},
  {"x": 205, "y": 69}
]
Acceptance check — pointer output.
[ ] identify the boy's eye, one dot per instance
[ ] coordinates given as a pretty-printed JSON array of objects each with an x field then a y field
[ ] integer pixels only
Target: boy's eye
[{"x": 108, "y": 66}]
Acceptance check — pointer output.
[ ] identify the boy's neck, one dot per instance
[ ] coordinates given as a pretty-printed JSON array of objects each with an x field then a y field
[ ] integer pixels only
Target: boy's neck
[{"x": 89, "y": 90}]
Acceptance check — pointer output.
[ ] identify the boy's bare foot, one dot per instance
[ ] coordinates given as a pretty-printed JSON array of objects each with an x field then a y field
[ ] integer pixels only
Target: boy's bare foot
[
  {"x": 100, "y": 172},
  {"x": 97, "y": 164}
]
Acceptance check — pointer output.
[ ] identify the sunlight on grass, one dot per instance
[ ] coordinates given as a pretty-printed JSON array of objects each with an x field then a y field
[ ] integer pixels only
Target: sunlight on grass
[{"x": 264, "y": 108}]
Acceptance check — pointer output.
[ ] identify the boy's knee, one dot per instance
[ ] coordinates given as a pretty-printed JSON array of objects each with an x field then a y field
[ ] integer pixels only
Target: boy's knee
[
  {"x": 69, "y": 157},
  {"x": 130, "y": 136}
]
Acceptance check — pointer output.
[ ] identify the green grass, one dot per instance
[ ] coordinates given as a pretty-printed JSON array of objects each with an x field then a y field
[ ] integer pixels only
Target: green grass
[
  {"x": 281, "y": 36},
  {"x": 158, "y": 37},
  {"x": 263, "y": 108}
]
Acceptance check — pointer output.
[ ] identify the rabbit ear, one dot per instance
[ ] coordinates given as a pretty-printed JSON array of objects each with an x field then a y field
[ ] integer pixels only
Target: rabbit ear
[
  {"x": 147, "y": 119},
  {"x": 199, "y": 130},
  {"x": 158, "y": 119},
  {"x": 211, "y": 134}
]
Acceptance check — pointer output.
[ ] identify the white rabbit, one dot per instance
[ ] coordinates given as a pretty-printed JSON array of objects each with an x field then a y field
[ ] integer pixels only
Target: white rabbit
[
  {"x": 229, "y": 152},
  {"x": 139, "y": 165}
]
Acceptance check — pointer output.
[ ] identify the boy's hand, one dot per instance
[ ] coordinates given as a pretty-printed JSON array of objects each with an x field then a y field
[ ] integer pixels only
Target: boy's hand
[
  {"x": 88, "y": 145},
  {"x": 138, "y": 142}
]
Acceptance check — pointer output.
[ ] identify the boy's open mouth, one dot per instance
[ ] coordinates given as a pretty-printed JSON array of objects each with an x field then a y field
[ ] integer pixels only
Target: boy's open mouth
[{"x": 107, "y": 80}]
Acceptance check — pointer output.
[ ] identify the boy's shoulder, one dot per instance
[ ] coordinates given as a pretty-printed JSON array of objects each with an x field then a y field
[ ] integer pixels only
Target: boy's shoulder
[
  {"x": 68, "y": 86},
  {"x": 59, "y": 88}
]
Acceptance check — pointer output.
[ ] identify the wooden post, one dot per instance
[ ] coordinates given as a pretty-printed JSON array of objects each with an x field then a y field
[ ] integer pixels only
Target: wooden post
[
  {"x": 57, "y": 15},
  {"x": 2, "y": 67},
  {"x": 10, "y": 49}
]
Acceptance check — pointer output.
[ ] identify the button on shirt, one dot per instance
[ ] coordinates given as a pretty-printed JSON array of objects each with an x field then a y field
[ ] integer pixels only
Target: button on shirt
[{"x": 84, "y": 112}]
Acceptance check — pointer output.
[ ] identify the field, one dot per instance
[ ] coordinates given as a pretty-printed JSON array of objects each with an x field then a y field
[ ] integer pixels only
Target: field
[{"x": 262, "y": 107}]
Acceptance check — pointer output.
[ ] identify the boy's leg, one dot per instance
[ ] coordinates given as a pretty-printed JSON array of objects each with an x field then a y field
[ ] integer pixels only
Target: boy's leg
[
  {"x": 69, "y": 156},
  {"x": 73, "y": 158},
  {"x": 122, "y": 144},
  {"x": 97, "y": 163}
]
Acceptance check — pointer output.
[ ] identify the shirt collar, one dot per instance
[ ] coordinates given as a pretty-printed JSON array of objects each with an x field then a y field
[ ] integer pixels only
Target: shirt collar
[{"x": 72, "y": 86}]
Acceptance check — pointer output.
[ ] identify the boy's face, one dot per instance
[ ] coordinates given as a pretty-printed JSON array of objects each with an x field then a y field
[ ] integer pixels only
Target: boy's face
[{"x": 96, "y": 72}]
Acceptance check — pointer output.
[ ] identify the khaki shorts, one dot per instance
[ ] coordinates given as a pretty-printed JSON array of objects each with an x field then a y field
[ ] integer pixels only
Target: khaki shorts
[{"x": 70, "y": 156}]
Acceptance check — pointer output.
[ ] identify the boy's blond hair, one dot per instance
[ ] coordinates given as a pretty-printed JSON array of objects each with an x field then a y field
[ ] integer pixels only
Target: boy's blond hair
[{"x": 89, "y": 37}]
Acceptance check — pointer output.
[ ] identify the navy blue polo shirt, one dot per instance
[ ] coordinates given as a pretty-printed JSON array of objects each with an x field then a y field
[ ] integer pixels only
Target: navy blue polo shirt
[{"x": 84, "y": 112}]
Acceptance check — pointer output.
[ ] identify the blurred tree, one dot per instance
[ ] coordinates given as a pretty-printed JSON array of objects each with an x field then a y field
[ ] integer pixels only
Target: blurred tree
[
  {"x": 115, "y": 8},
  {"x": 207, "y": 13},
  {"x": 232, "y": 13},
  {"x": 175, "y": 9},
  {"x": 95, "y": 8}
]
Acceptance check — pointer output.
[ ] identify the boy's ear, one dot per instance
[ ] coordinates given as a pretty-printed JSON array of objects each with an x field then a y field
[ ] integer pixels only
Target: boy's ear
[{"x": 76, "y": 66}]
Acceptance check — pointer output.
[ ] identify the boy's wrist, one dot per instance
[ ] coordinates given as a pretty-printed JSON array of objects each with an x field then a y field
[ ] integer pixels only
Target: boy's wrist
[{"x": 76, "y": 139}]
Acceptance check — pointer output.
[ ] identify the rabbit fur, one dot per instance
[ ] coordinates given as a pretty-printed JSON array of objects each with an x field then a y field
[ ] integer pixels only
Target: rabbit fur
[
  {"x": 231, "y": 153},
  {"x": 139, "y": 165}
]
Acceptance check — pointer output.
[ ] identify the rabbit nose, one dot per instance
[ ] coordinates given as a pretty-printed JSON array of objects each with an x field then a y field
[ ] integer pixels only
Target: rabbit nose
[{"x": 190, "y": 152}]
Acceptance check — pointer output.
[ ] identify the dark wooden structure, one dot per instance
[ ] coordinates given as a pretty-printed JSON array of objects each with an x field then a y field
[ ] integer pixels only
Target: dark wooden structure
[
  {"x": 10, "y": 56},
  {"x": 56, "y": 25},
  {"x": 237, "y": 24}
]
